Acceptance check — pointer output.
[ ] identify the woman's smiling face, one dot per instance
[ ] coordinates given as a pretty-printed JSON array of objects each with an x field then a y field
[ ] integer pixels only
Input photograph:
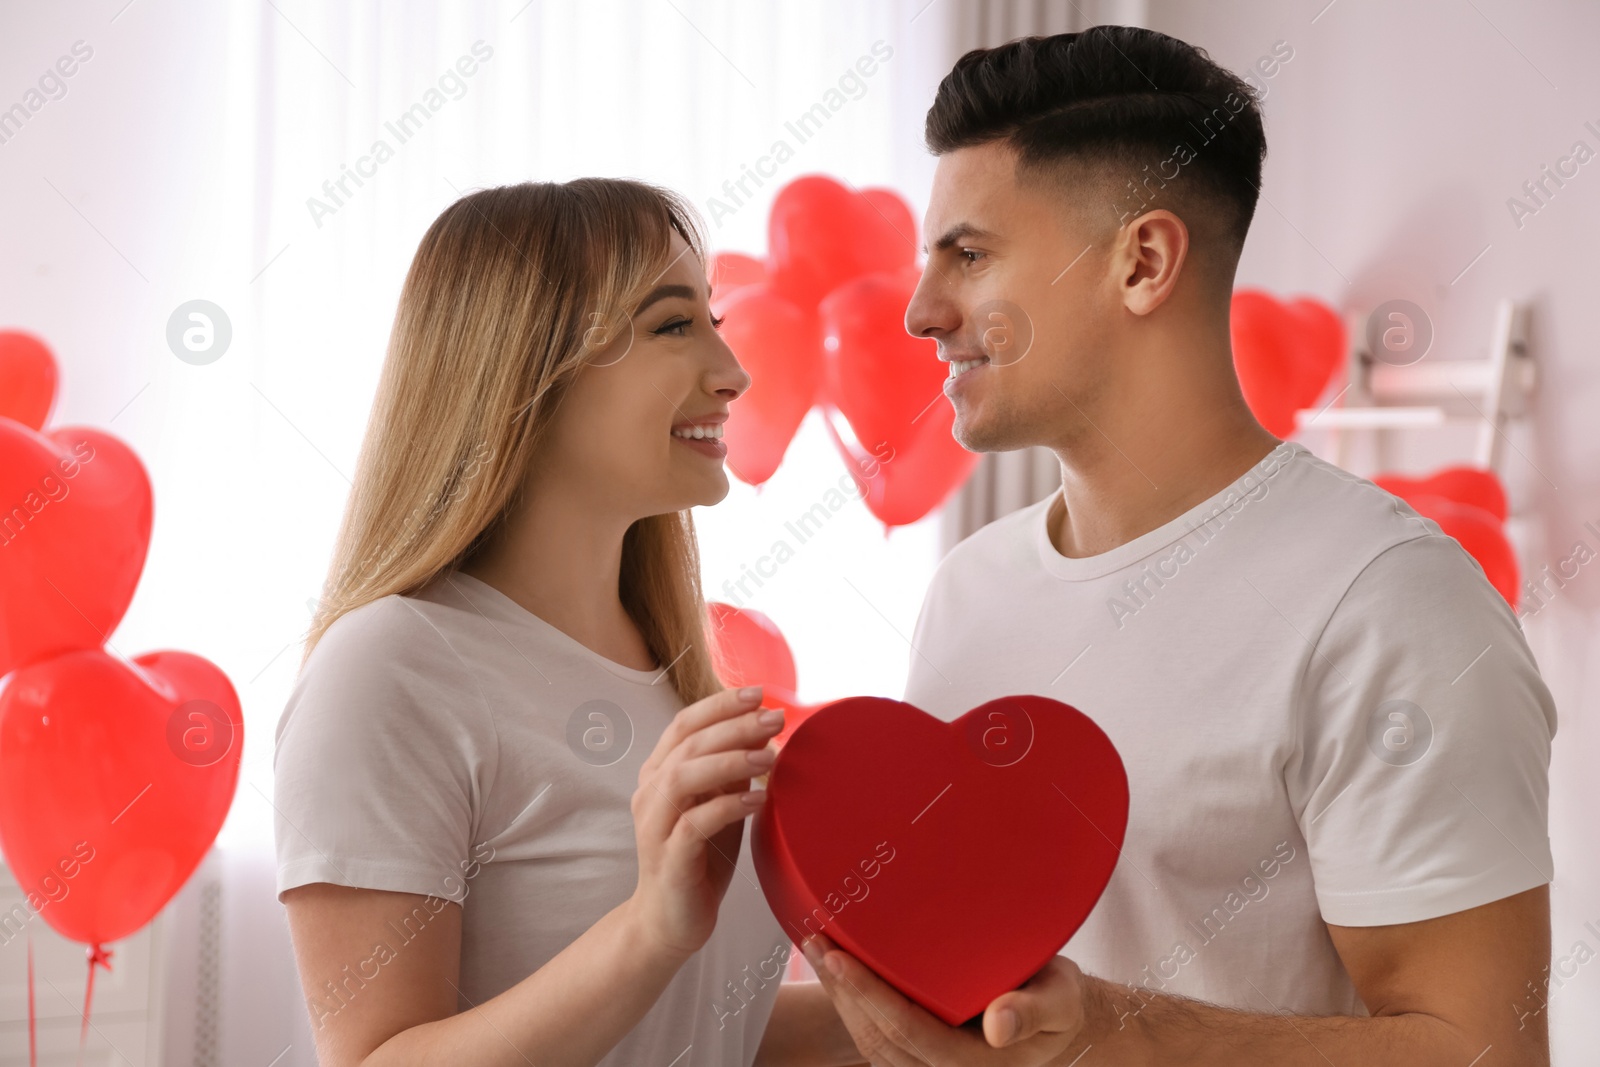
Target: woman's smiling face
[{"x": 668, "y": 369}]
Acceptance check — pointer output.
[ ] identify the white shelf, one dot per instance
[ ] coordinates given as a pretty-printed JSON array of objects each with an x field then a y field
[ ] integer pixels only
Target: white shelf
[{"x": 1484, "y": 392}]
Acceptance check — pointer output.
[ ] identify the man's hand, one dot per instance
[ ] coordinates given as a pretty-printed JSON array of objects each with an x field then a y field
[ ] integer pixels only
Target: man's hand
[
  {"x": 1436, "y": 992},
  {"x": 1037, "y": 1024}
]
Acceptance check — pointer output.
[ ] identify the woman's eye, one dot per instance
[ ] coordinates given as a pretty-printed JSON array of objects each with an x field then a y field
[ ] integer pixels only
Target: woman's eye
[{"x": 677, "y": 326}]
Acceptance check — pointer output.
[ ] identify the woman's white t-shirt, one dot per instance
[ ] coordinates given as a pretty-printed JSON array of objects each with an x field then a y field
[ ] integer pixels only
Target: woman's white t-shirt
[{"x": 452, "y": 743}]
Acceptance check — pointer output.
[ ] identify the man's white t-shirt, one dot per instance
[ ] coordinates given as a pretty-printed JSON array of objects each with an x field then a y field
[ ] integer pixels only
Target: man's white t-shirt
[
  {"x": 1326, "y": 713},
  {"x": 453, "y": 743}
]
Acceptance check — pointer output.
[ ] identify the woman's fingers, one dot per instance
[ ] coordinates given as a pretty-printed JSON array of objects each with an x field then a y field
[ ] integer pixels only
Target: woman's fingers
[
  {"x": 680, "y": 784},
  {"x": 718, "y": 771},
  {"x": 663, "y": 793},
  {"x": 689, "y": 805},
  {"x": 697, "y": 716},
  {"x": 698, "y": 825},
  {"x": 745, "y": 731}
]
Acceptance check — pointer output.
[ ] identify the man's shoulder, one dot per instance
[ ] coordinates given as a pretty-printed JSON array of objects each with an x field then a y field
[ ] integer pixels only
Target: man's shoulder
[
  {"x": 1325, "y": 511},
  {"x": 1315, "y": 507},
  {"x": 1294, "y": 512}
]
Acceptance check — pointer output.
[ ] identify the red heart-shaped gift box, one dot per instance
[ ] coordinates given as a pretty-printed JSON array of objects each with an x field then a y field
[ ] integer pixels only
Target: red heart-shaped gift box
[{"x": 953, "y": 859}]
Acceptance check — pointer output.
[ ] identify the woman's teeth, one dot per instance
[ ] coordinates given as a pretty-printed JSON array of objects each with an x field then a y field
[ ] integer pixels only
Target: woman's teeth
[
  {"x": 696, "y": 433},
  {"x": 959, "y": 367}
]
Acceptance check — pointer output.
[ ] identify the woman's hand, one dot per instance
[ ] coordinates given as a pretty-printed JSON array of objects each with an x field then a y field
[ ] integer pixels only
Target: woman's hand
[{"x": 688, "y": 812}]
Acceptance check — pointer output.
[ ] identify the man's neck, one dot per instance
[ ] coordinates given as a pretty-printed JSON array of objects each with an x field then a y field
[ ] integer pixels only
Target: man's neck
[{"x": 1118, "y": 489}]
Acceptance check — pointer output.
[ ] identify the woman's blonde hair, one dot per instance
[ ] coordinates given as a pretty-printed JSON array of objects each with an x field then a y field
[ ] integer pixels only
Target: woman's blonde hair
[{"x": 511, "y": 291}]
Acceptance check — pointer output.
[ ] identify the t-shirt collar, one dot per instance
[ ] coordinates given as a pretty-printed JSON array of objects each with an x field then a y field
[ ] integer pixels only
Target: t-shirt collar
[{"x": 1083, "y": 568}]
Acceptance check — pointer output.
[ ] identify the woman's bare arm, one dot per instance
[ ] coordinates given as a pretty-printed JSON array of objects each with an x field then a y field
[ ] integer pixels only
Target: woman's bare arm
[{"x": 381, "y": 971}]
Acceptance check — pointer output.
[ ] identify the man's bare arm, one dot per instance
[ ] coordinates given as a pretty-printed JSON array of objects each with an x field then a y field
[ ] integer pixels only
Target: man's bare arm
[
  {"x": 1451, "y": 991},
  {"x": 805, "y": 1031}
]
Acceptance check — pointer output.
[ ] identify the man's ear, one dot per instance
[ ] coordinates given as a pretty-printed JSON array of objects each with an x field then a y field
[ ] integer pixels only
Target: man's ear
[{"x": 1148, "y": 257}]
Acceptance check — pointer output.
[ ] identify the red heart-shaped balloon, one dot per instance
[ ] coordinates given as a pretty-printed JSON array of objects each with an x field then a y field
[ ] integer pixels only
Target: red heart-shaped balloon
[
  {"x": 895, "y": 211},
  {"x": 900, "y": 487},
  {"x": 777, "y": 344},
  {"x": 1480, "y": 534},
  {"x": 953, "y": 859},
  {"x": 1284, "y": 354},
  {"x": 731, "y": 271},
  {"x": 1471, "y": 486},
  {"x": 887, "y": 387},
  {"x": 73, "y": 537},
  {"x": 747, "y": 648},
  {"x": 114, "y": 780},
  {"x": 821, "y": 234},
  {"x": 879, "y": 376},
  {"x": 27, "y": 378}
]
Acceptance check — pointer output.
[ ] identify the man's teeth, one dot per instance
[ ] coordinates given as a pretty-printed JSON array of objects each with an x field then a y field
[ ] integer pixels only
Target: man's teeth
[
  {"x": 961, "y": 366},
  {"x": 695, "y": 433}
]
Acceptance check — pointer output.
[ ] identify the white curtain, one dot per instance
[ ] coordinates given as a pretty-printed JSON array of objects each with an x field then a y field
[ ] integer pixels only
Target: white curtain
[
  {"x": 686, "y": 94},
  {"x": 308, "y": 231}
]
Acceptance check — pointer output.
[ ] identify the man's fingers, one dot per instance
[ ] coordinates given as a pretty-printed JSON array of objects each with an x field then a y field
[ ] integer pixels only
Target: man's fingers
[
  {"x": 875, "y": 1039},
  {"x": 813, "y": 948},
  {"x": 887, "y": 1027},
  {"x": 1050, "y": 1001}
]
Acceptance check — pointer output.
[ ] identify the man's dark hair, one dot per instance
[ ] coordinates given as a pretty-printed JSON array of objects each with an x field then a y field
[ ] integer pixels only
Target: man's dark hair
[{"x": 1117, "y": 104}]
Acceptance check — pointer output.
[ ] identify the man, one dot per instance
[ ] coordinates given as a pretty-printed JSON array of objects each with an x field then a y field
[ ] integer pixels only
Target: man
[{"x": 1336, "y": 738}]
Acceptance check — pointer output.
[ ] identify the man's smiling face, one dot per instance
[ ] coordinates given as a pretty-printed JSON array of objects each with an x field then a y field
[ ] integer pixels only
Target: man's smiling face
[{"x": 1014, "y": 289}]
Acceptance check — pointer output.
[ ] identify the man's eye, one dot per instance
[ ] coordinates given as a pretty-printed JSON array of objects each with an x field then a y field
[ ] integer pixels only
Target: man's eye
[{"x": 971, "y": 252}]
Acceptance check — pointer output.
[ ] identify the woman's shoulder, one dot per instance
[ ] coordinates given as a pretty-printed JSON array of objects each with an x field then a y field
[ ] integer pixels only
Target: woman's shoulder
[
  {"x": 390, "y": 656},
  {"x": 382, "y": 756},
  {"x": 421, "y": 627},
  {"x": 390, "y": 626}
]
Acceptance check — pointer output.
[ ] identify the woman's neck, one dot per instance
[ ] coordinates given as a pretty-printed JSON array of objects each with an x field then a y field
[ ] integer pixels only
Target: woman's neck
[{"x": 561, "y": 558}]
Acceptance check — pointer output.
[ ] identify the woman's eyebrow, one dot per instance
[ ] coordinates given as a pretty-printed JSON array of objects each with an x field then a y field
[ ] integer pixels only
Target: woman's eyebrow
[{"x": 662, "y": 292}]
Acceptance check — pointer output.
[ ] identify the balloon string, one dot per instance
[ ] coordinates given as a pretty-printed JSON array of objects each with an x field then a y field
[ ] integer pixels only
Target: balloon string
[
  {"x": 33, "y": 1037},
  {"x": 96, "y": 954}
]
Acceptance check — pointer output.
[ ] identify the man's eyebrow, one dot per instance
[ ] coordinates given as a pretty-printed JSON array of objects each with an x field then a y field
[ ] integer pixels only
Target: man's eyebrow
[
  {"x": 959, "y": 232},
  {"x": 662, "y": 292}
]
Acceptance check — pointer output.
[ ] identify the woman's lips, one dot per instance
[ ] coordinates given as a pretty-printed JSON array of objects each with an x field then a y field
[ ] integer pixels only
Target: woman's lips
[{"x": 706, "y": 446}]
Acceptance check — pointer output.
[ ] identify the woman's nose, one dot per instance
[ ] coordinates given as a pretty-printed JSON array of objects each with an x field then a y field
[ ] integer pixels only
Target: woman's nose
[{"x": 726, "y": 377}]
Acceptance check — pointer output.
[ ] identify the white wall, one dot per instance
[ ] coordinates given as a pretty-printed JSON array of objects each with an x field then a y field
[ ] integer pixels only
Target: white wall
[{"x": 1395, "y": 136}]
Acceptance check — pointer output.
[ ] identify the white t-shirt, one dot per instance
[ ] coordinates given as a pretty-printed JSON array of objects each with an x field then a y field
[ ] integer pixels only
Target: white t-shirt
[
  {"x": 453, "y": 743},
  {"x": 1325, "y": 711}
]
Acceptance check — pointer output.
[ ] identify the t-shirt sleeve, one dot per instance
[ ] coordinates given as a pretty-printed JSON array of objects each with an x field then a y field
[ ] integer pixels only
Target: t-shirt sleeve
[
  {"x": 380, "y": 756},
  {"x": 1421, "y": 777}
]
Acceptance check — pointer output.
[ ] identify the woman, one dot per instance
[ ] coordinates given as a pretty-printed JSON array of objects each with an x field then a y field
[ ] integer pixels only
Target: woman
[{"x": 511, "y": 791}]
